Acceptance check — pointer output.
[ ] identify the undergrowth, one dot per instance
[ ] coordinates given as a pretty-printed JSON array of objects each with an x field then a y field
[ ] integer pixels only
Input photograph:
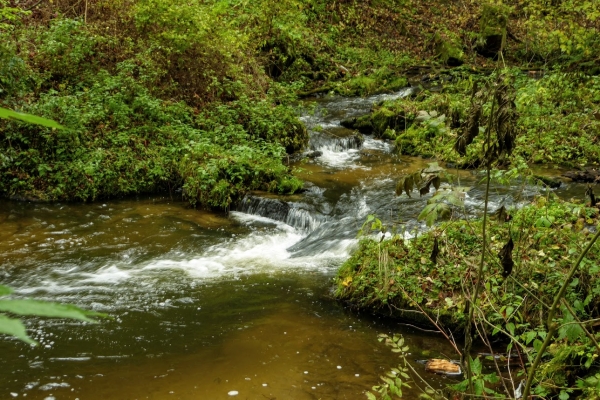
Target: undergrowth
[
  {"x": 558, "y": 121},
  {"x": 399, "y": 277}
]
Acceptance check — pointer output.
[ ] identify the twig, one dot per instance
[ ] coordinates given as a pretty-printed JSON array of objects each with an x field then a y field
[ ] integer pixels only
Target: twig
[
  {"x": 486, "y": 340},
  {"x": 582, "y": 325},
  {"x": 473, "y": 300},
  {"x": 550, "y": 324},
  {"x": 416, "y": 327},
  {"x": 433, "y": 322}
]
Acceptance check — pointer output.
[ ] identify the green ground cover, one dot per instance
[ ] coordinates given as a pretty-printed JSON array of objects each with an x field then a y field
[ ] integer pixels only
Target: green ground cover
[
  {"x": 559, "y": 120},
  {"x": 403, "y": 279},
  {"x": 145, "y": 85}
]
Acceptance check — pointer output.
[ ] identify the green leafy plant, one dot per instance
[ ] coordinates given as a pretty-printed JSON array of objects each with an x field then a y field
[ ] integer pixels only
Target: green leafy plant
[
  {"x": 31, "y": 119},
  {"x": 397, "y": 378},
  {"x": 28, "y": 307}
]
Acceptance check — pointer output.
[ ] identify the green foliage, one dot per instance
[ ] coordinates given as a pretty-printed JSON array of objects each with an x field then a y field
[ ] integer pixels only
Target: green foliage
[
  {"x": 123, "y": 140},
  {"x": 564, "y": 29},
  {"x": 375, "y": 225},
  {"x": 557, "y": 121},
  {"x": 14, "y": 72},
  {"x": 9, "y": 15},
  {"x": 396, "y": 378},
  {"x": 66, "y": 49},
  {"x": 479, "y": 380},
  {"x": 26, "y": 307},
  {"x": 544, "y": 260},
  {"x": 547, "y": 236},
  {"x": 32, "y": 119}
]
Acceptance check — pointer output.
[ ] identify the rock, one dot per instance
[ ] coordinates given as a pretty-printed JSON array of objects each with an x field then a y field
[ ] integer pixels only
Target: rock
[
  {"x": 377, "y": 122},
  {"x": 490, "y": 46},
  {"x": 362, "y": 124},
  {"x": 384, "y": 118},
  {"x": 449, "y": 51},
  {"x": 552, "y": 183},
  {"x": 588, "y": 176},
  {"x": 492, "y": 26},
  {"x": 314, "y": 154}
]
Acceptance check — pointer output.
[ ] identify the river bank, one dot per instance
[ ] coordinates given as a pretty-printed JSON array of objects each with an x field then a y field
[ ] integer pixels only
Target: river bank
[
  {"x": 200, "y": 100},
  {"x": 168, "y": 95}
]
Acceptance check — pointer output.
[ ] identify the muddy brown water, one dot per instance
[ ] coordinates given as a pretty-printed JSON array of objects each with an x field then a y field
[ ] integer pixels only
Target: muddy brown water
[{"x": 208, "y": 305}]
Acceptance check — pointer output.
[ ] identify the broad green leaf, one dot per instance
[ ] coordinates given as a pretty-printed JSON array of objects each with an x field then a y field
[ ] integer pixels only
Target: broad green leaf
[
  {"x": 511, "y": 328},
  {"x": 371, "y": 396},
  {"x": 14, "y": 327},
  {"x": 529, "y": 336},
  {"x": 478, "y": 386},
  {"x": 46, "y": 309},
  {"x": 429, "y": 214},
  {"x": 4, "y": 290},
  {"x": 543, "y": 222},
  {"x": 571, "y": 331},
  {"x": 476, "y": 366},
  {"x": 456, "y": 199},
  {"x": 444, "y": 211},
  {"x": 492, "y": 378},
  {"x": 31, "y": 119}
]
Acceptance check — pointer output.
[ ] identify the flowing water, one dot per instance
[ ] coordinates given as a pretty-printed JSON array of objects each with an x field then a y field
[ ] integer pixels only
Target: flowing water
[{"x": 207, "y": 305}]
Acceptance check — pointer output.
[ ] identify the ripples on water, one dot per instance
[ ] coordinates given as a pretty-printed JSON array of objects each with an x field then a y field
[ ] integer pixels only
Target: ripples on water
[{"x": 205, "y": 303}]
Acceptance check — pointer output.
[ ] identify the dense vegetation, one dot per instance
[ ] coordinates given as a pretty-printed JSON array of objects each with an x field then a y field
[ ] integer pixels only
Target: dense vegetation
[
  {"x": 559, "y": 120},
  {"x": 200, "y": 97},
  {"x": 167, "y": 94}
]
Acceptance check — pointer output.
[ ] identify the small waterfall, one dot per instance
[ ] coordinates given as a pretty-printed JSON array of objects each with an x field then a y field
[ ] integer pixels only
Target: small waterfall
[
  {"x": 289, "y": 213},
  {"x": 336, "y": 143}
]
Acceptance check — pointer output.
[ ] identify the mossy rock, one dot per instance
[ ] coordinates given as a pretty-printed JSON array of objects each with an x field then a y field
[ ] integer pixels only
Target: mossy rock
[
  {"x": 362, "y": 124},
  {"x": 378, "y": 122},
  {"x": 492, "y": 27},
  {"x": 449, "y": 51},
  {"x": 385, "y": 118},
  {"x": 394, "y": 84},
  {"x": 297, "y": 138},
  {"x": 550, "y": 182}
]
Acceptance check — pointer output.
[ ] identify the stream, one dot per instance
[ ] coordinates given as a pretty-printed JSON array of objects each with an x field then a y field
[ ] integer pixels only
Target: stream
[{"x": 207, "y": 305}]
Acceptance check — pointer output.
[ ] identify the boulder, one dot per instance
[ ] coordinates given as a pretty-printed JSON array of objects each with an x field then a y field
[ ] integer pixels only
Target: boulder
[
  {"x": 587, "y": 176},
  {"x": 362, "y": 124},
  {"x": 492, "y": 30},
  {"x": 449, "y": 50}
]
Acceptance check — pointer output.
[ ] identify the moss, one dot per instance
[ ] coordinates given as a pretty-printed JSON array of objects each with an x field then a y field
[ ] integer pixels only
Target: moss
[
  {"x": 492, "y": 36},
  {"x": 398, "y": 274},
  {"x": 448, "y": 49},
  {"x": 378, "y": 122},
  {"x": 384, "y": 118},
  {"x": 362, "y": 124},
  {"x": 368, "y": 85}
]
